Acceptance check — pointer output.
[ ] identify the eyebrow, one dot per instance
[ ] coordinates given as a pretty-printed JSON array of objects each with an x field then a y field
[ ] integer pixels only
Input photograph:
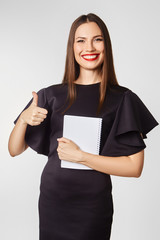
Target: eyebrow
[{"x": 93, "y": 37}]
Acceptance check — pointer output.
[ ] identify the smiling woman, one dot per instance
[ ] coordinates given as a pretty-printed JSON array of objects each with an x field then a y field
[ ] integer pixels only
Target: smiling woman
[
  {"x": 89, "y": 50},
  {"x": 76, "y": 204},
  {"x": 88, "y": 46}
]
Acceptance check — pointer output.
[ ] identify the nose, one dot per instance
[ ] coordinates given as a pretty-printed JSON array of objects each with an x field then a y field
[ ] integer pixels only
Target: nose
[{"x": 89, "y": 46}]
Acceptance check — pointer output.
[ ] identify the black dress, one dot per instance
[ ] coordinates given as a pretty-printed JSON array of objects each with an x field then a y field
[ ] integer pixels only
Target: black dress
[{"x": 77, "y": 204}]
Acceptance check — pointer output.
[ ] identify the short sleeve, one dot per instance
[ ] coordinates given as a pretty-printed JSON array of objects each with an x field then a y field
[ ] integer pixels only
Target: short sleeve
[
  {"x": 37, "y": 137},
  {"x": 132, "y": 118}
]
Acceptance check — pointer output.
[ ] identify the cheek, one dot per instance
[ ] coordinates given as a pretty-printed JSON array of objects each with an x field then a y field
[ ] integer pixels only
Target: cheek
[
  {"x": 101, "y": 47},
  {"x": 77, "y": 49},
  {"x": 102, "y": 52}
]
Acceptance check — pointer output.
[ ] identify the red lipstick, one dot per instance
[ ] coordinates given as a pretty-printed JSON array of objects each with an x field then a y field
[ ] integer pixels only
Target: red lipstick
[{"x": 90, "y": 57}]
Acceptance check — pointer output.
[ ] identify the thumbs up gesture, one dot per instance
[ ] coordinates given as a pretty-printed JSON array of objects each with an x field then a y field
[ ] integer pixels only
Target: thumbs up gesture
[{"x": 34, "y": 115}]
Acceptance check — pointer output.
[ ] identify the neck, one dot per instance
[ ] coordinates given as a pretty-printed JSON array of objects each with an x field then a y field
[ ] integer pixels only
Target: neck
[{"x": 88, "y": 76}]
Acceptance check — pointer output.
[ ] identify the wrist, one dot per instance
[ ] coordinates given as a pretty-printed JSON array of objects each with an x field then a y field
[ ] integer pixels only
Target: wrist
[
  {"x": 21, "y": 119},
  {"x": 82, "y": 156}
]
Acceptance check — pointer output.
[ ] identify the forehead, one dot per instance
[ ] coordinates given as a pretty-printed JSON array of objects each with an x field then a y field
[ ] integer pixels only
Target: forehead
[{"x": 87, "y": 30}]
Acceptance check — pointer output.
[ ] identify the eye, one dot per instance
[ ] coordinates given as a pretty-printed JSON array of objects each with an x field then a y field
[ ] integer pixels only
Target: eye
[
  {"x": 80, "y": 40},
  {"x": 98, "y": 39}
]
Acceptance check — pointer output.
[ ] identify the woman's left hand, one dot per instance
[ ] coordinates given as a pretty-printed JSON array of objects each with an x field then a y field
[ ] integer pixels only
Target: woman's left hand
[{"x": 68, "y": 150}]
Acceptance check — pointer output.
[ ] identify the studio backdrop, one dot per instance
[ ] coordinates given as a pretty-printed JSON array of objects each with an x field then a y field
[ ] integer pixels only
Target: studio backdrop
[{"x": 33, "y": 44}]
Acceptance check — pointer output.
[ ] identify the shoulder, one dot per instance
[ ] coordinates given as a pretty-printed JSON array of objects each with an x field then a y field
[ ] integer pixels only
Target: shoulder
[
  {"x": 116, "y": 93},
  {"x": 122, "y": 92},
  {"x": 119, "y": 88},
  {"x": 118, "y": 96},
  {"x": 128, "y": 101},
  {"x": 53, "y": 91},
  {"x": 56, "y": 88}
]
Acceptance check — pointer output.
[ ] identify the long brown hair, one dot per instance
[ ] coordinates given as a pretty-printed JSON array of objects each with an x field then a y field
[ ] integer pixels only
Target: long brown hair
[{"x": 72, "y": 68}]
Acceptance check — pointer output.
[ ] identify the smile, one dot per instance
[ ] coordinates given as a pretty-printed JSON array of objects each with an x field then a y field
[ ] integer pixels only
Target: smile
[{"x": 90, "y": 57}]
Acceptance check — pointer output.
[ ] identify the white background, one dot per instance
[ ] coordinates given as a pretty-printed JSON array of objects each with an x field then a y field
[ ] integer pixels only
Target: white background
[{"x": 32, "y": 56}]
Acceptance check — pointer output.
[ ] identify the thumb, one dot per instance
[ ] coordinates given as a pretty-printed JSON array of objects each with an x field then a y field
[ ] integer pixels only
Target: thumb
[{"x": 35, "y": 99}]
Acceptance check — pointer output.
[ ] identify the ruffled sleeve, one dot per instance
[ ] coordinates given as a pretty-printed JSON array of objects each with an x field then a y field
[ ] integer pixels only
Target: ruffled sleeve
[
  {"x": 131, "y": 120},
  {"x": 37, "y": 137}
]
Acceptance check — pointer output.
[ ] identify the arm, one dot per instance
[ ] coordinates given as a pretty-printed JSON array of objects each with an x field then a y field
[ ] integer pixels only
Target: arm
[
  {"x": 33, "y": 116},
  {"x": 126, "y": 166},
  {"x": 17, "y": 144}
]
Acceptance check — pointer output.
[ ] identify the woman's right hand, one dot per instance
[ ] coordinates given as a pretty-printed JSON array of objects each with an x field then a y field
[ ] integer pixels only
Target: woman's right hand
[{"x": 33, "y": 115}]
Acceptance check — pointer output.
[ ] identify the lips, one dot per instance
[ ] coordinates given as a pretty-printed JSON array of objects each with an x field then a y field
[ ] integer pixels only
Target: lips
[{"x": 90, "y": 57}]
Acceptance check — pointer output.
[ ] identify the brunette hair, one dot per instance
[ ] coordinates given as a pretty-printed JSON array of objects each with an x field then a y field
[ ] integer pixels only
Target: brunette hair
[{"x": 72, "y": 69}]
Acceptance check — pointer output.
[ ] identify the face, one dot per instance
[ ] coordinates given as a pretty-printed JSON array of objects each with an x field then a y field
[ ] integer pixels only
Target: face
[{"x": 89, "y": 46}]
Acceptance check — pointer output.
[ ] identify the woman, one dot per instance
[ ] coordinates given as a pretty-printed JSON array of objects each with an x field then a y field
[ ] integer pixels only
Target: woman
[{"x": 77, "y": 204}]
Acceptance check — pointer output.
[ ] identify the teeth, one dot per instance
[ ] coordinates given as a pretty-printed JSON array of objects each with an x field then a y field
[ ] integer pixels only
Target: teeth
[{"x": 90, "y": 57}]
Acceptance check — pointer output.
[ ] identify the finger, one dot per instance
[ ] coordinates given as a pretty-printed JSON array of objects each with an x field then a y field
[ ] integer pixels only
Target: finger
[
  {"x": 62, "y": 144},
  {"x": 62, "y": 139},
  {"x": 35, "y": 123},
  {"x": 42, "y": 110},
  {"x": 39, "y": 115},
  {"x": 35, "y": 98},
  {"x": 37, "y": 119}
]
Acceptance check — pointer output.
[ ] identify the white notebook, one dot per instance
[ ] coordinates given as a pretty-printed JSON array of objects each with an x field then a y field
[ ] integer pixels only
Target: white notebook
[{"x": 86, "y": 133}]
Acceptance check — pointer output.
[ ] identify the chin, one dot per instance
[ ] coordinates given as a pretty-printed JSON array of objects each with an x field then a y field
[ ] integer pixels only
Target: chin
[{"x": 89, "y": 67}]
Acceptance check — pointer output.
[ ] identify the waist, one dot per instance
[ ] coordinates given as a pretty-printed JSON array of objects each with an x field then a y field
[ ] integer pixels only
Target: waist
[{"x": 72, "y": 182}]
